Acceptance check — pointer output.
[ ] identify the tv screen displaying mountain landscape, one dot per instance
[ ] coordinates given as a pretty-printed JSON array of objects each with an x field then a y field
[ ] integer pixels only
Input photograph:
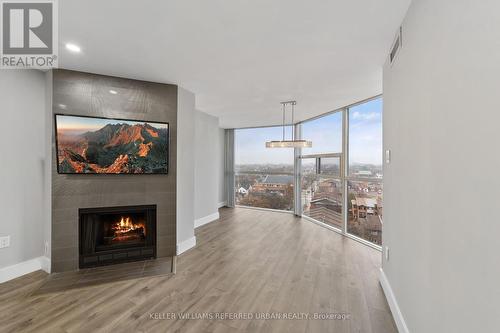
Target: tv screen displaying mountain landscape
[{"x": 110, "y": 146}]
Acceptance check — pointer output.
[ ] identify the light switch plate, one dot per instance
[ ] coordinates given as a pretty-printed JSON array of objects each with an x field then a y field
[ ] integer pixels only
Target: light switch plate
[
  {"x": 4, "y": 242},
  {"x": 387, "y": 156}
]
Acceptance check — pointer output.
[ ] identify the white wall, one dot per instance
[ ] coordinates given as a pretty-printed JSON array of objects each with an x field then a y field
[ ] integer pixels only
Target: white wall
[
  {"x": 185, "y": 169},
  {"x": 200, "y": 169},
  {"x": 209, "y": 158},
  {"x": 49, "y": 133},
  {"x": 441, "y": 120},
  {"x": 22, "y": 151}
]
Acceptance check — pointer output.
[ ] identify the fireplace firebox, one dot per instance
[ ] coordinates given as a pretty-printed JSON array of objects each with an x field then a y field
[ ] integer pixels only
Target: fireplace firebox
[{"x": 116, "y": 234}]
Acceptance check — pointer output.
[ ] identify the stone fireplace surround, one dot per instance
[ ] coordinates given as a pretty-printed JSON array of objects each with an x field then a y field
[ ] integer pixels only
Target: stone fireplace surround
[{"x": 87, "y": 94}]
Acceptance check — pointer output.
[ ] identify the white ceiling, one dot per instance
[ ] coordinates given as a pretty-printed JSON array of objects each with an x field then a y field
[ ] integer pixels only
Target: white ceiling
[{"x": 240, "y": 57}]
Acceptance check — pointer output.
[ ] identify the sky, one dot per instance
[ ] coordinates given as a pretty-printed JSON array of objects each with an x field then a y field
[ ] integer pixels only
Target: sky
[
  {"x": 365, "y": 133},
  {"x": 365, "y": 138},
  {"x": 77, "y": 124}
]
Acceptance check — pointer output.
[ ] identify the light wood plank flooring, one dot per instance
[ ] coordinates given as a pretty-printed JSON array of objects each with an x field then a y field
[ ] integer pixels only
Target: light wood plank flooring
[{"x": 249, "y": 261}]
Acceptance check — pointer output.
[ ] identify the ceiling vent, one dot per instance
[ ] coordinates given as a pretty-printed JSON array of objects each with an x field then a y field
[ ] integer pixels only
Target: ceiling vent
[{"x": 396, "y": 46}]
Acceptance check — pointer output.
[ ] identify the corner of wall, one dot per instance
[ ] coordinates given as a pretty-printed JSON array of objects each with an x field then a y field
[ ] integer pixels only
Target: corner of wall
[
  {"x": 393, "y": 303},
  {"x": 45, "y": 264},
  {"x": 185, "y": 170},
  {"x": 206, "y": 219},
  {"x": 186, "y": 245},
  {"x": 29, "y": 266}
]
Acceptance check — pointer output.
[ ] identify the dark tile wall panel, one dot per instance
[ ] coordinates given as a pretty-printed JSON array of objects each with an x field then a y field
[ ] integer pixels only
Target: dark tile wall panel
[{"x": 87, "y": 94}]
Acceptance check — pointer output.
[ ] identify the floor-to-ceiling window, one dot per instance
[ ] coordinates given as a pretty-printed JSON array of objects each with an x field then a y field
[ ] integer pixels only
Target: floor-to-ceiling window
[
  {"x": 321, "y": 169},
  {"x": 344, "y": 169},
  {"x": 340, "y": 176},
  {"x": 264, "y": 177},
  {"x": 364, "y": 185}
]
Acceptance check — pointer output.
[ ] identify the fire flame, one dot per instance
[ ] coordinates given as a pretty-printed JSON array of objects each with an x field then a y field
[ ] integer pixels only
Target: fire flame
[{"x": 126, "y": 225}]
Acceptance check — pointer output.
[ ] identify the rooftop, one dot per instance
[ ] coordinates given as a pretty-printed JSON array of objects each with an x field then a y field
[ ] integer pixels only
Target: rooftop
[{"x": 278, "y": 179}]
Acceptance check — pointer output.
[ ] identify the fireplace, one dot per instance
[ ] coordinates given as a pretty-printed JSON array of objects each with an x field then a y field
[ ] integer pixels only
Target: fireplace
[{"x": 116, "y": 234}]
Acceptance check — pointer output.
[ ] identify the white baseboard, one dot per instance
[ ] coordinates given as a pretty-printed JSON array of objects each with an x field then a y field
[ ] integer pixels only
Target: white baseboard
[
  {"x": 393, "y": 303},
  {"x": 221, "y": 204},
  {"x": 206, "y": 219},
  {"x": 186, "y": 245},
  {"x": 25, "y": 267},
  {"x": 45, "y": 264}
]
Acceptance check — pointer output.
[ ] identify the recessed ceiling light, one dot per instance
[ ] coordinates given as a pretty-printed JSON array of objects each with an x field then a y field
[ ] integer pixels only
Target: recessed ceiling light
[
  {"x": 113, "y": 92},
  {"x": 73, "y": 48}
]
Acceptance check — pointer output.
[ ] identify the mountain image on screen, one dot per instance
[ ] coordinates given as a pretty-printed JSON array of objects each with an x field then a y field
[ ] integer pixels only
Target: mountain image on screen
[{"x": 118, "y": 147}]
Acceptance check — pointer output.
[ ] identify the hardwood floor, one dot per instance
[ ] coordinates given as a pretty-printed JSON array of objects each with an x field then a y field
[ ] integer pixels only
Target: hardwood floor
[{"x": 249, "y": 261}]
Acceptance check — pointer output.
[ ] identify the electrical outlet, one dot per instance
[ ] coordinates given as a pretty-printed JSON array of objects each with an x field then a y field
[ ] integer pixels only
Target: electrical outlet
[
  {"x": 386, "y": 253},
  {"x": 46, "y": 250},
  {"x": 4, "y": 242}
]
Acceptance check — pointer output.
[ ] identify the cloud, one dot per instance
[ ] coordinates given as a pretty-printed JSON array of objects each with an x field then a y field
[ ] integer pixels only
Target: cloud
[{"x": 365, "y": 115}]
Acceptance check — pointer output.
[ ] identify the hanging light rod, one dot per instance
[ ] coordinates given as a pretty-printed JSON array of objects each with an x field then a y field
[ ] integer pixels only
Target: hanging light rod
[{"x": 288, "y": 143}]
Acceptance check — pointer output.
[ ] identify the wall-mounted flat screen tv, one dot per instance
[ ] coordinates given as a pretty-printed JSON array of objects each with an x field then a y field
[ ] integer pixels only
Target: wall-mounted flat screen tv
[{"x": 89, "y": 145}]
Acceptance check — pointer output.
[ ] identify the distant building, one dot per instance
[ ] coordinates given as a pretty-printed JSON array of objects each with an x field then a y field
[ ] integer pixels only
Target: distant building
[
  {"x": 326, "y": 210},
  {"x": 327, "y": 186},
  {"x": 278, "y": 179},
  {"x": 279, "y": 184},
  {"x": 364, "y": 173}
]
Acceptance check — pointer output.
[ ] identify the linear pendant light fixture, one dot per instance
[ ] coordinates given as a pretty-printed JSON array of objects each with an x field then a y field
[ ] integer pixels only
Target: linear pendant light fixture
[{"x": 288, "y": 143}]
